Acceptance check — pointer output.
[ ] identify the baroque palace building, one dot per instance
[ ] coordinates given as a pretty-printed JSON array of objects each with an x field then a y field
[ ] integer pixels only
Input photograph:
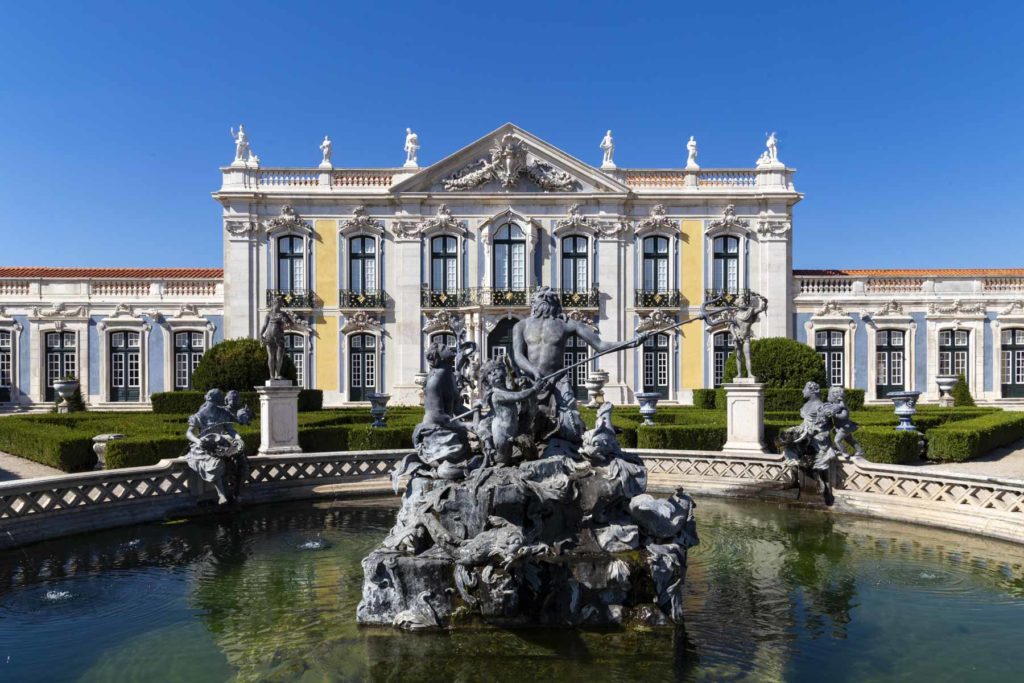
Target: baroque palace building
[{"x": 375, "y": 264}]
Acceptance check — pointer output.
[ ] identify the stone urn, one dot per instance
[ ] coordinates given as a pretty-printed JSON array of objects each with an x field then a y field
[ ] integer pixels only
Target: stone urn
[
  {"x": 99, "y": 447},
  {"x": 379, "y": 408},
  {"x": 648, "y": 405},
  {"x": 65, "y": 388},
  {"x": 946, "y": 385},
  {"x": 595, "y": 385},
  {"x": 906, "y": 407},
  {"x": 420, "y": 380}
]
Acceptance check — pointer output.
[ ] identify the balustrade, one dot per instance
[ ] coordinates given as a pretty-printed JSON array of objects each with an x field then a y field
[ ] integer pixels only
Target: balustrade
[
  {"x": 1003, "y": 284},
  {"x": 650, "y": 298},
  {"x": 351, "y": 299},
  {"x": 433, "y": 298},
  {"x": 14, "y": 288},
  {"x": 727, "y": 178},
  {"x": 190, "y": 288},
  {"x": 284, "y": 177},
  {"x": 825, "y": 285},
  {"x": 292, "y": 298}
]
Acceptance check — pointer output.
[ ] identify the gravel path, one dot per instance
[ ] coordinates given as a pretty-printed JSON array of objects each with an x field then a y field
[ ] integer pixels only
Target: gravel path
[
  {"x": 1006, "y": 462},
  {"x": 13, "y": 467}
]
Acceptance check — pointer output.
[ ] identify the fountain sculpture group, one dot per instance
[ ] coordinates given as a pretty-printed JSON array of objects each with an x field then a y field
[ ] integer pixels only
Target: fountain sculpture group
[{"x": 516, "y": 515}]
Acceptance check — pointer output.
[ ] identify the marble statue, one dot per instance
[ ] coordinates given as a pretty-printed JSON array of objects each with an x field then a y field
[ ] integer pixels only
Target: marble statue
[
  {"x": 740, "y": 313},
  {"x": 412, "y": 145},
  {"x": 272, "y": 336},
  {"x": 217, "y": 452},
  {"x": 241, "y": 143},
  {"x": 326, "y": 147},
  {"x": 772, "y": 145},
  {"x": 691, "y": 154},
  {"x": 844, "y": 426},
  {"x": 608, "y": 147},
  {"x": 513, "y": 515},
  {"x": 809, "y": 447}
]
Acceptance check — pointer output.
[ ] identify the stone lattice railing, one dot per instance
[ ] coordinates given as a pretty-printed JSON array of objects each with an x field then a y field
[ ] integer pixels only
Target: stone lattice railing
[
  {"x": 824, "y": 285},
  {"x": 35, "y": 509}
]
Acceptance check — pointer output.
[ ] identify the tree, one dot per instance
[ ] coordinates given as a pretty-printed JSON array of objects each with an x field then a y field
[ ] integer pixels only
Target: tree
[
  {"x": 239, "y": 364},
  {"x": 962, "y": 393},
  {"x": 779, "y": 362}
]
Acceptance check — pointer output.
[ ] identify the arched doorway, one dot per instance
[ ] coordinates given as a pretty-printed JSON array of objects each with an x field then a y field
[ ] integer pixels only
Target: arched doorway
[
  {"x": 655, "y": 364},
  {"x": 576, "y": 350}
]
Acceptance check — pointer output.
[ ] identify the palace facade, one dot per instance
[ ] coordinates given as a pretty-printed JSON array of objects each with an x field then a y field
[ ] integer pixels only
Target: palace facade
[{"x": 375, "y": 264}]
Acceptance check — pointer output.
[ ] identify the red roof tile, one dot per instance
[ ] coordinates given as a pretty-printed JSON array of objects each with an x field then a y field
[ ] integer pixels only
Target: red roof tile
[
  {"x": 923, "y": 272},
  {"x": 113, "y": 273}
]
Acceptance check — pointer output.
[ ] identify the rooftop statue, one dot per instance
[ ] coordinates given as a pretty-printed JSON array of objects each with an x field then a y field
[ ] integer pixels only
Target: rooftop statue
[
  {"x": 217, "y": 452},
  {"x": 326, "y": 147},
  {"x": 412, "y": 146},
  {"x": 241, "y": 143},
  {"x": 514, "y": 515},
  {"x": 608, "y": 147},
  {"x": 272, "y": 336},
  {"x": 691, "y": 154}
]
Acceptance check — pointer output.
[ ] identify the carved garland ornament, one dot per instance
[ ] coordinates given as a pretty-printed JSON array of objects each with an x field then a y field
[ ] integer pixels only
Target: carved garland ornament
[
  {"x": 442, "y": 321},
  {"x": 830, "y": 308},
  {"x": 582, "y": 318},
  {"x": 360, "y": 321},
  {"x": 891, "y": 307},
  {"x": 656, "y": 320},
  {"x": 240, "y": 228},
  {"x": 576, "y": 221},
  {"x": 288, "y": 221},
  {"x": 442, "y": 220},
  {"x": 360, "y": 221},
  {"x": 729, "y": 221},
  {"x": 657, "y": 220},
  {"x": 770, "y": 225},
  {"x": 61, "y": 310},
  {"x": 507, "y": 164},
  {"x": 957, "y": 308}
]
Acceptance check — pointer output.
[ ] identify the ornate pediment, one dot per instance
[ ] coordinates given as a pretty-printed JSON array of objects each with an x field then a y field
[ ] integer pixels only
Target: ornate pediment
[
  {"x": 889, "y": 308},
  {"x": 576, "y": 221},
  {"x": 510, "y": 160},
  {"x": 442, "y": 321},
  {"x": 360, "y": 321},
  {"x": 288, "y": 221},
  {"x": 729, "y": 222},
  {"x": 829, "y": 309},
  {"x": 656, "y": 320},
  {"x": 582, "y": 318},
  {"x": 360, "y": 221},
  {"x": 957, "y": 308},
  {"x": 657, "y": 220}
]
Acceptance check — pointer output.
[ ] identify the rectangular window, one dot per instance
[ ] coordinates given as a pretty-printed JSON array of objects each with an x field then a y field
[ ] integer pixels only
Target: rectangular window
[
  {"x": 498, "y": 352},
  {"x": 5, "y": 359},
  {"x": 836, "y": 370},
  {"x": 500, "y": 266},
  {"x": 946, "y": 338},
  {"x": 117, "y": 370},
  {"x": 1020, "y": 337},
  {"x": 945, "y": 363},
  {"x": 662, "y": 369},
  {"x": 70, "y": 339},
  {"x": 883, "y": 338},
  {"x": 181, "y": 373},
  {"x": 896, "y": 338},
  {"x": 961, "y": 337},
  {"x": 837, "y": 338},
  {"x": 133, "y": 340},
  {"x": 370, "y": 376},
  {"x": 70, "y": 364},
  {"x": 648, "y": 369},
  {"x": 581, "y": 370},
  {"x": 1007, "y": 367},
  {"x": 117, "y": 339},
  {"x": 134, "y": 376},
  {"x": 719, "y": 371},
  {"x": 196, "y": 357},
  {"x": 52, "y": 340},
  {"x": 52, "y": 368},
  {"x": 960, "y": 363},
  {"x": 896, "y": 367},
  {"x": 357, "y": 370},
  {"x": 299, "y": 360},
  {"x": 451, "y": 283},
  {"x": 518, "y": 266},
  {"x": 370, "y": 282},
  {"x": 821, "y": 338},
  {"x": 1019, "y": 367},
  {"x": 882, "y": 369}
]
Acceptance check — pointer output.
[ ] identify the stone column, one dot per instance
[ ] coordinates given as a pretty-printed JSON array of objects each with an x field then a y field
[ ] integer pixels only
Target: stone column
[
  {"x": 279, "y": 417},
  {"x": 613, "y": 276},
  {"x": 744, "y": 408},
  {"x": 404, "y": 345}
]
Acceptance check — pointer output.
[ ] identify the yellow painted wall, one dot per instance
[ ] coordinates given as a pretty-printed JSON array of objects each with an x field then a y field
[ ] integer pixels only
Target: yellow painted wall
[
  {"x": 691, "y": 269},
  {"x": 325, "y": 258}
]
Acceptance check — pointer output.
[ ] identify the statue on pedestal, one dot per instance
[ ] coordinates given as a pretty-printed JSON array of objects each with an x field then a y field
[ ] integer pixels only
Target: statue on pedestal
[
  {"x": 691, "y": 154},
  {"x": 272, "y": 336},
  {"x": 740, "y": 313},
  {"x": 241, "y": 144},
  {"x": 608, "y": 147},
  {"x": 325, "y": 147},
  {"x": 412, "y": 145},
  {"x": 844, "y": 426},
  {"x": 217, "y": 452}
]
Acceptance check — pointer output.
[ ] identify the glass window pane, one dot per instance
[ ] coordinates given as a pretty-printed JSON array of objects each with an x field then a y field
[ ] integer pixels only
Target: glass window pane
[
  {"x": 945, "y": 338},
  {"x": 837, "y": 339},
  {"x": 883, "y": 338},
  {"x": 897, "y": 338},
  {"x": 1020, "y": 337},
  {"x": 501, "y": 278},
  {"x": 961, "y": 338},
  {"x": 69, "y": 339}
]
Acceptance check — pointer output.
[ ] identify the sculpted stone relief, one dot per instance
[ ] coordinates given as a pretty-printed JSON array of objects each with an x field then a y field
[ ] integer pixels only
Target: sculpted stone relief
[{"x": 508, "y": 163}]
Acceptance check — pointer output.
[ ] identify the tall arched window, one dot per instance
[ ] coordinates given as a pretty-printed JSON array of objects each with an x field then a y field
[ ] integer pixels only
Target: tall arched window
[
  {"x": 953, "y": 352},
  {"x": 1012, "y": 363},
  {"x": 574, "y": 264},
  {"x": 291, "y": 272},
  {"x": 831, "y": 346},
  {"x": 295, "y": 348},
  {"x": 723, "y": 346},
  {"x": 362, "y": 265},
  {"x": 889, "y": 362},
  {"x": 726, "y": 264},
  {"x": 655, "y": 266},
  {"x": 188, "y": 351},
  {"x": 655, "y": 362},
  {"x": 362, "y": 366},
  {"x": 510, "y": 258},
  {"x": 444, "y": 275}
]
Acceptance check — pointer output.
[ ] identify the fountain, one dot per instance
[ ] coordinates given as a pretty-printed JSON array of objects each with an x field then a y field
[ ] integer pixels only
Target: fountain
[{"x": 519, "y": 517}]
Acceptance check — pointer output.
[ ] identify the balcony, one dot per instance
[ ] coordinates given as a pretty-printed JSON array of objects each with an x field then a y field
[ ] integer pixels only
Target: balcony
[
  {"x": 584, "y": 298},
  {"x": 433, "y": 298},
  {"x": 292, "y": 298},
  {"x": 511, "y": 298},
  {"x": 351, "y": 299},
  {"x": 731, "y": 297},
  {"x": 650, "y": 298}
]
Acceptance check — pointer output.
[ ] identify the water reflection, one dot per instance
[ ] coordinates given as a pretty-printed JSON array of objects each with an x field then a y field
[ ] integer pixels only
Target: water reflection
[{"x": 270, "y": 595}]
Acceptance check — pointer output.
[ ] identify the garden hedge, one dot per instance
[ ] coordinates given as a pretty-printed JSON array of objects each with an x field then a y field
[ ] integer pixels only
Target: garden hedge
[
  {"x": 886, "y": 445},
  {"x": 959, "y": 441},
  {"x": 239, "y": 364},
  {"x": 66, "y": 449},
  {"x": 775, "y": 398},
  {"x": 780, "y": 362},
  {"x": 188, "y": 402}
]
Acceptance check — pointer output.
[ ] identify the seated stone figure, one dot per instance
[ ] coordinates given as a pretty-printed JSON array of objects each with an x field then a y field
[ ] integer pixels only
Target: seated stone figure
[
  {"x": 217, "y": 450},
  {"x": 809, "y": 446},
  {"x": 441, "y": 441},
  {"x": 844, "y": 426}
]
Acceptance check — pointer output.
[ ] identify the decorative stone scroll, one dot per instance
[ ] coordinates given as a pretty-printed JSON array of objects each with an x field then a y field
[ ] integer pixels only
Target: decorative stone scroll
[
  {"x": 958, "y": 307},
  {"x": 288, "y": 221},
  {"x": 729, "y": 221},
  {"x": 576, "y": 221},
  {"x": 61, "y": 310},
  {"x": 657, "y": 220},
  {"x": 360, "y": 221},
  {"x": 655, "y": 320},
  {"x": 360, "y": 321},
  {"x": 442, "y": 321},
  {"x": 241, "y": 227},
  {"x": 508, "y": 163},
  {"x": 581, "y": 317},
  {"x": 771, "y": 225}
]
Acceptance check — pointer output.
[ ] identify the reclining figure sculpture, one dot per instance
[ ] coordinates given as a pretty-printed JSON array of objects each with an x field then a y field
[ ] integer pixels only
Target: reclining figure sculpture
[{"x": 513, "y": 514}]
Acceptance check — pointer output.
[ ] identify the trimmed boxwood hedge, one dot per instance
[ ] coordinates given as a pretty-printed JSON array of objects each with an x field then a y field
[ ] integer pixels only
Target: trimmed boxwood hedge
[
  {"x": 776, "y": 398},
  {"x": 67, "y": 450},
  {"x": 781, "y": 362},
  {"x": 188, "y": 402},
  {"x": 959, "y": 441},
  {"x": 886, "y": 445}
]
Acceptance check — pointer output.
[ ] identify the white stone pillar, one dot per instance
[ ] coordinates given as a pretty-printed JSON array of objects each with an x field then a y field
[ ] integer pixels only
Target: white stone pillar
[
  {"x": 242, "y": 279},
  {"x": 776, "y": 273},
  {"x": 614, "y": 285},
  {"x": 279, "y": 417},
  {"x": 744, "y": 409},
  {"x": 404, "y": 345}
]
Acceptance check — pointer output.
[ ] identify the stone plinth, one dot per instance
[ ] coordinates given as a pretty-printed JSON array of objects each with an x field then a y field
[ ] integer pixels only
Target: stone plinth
[
  {"x": 279, "y": 417},
  {"x": 744, "y": 408}
]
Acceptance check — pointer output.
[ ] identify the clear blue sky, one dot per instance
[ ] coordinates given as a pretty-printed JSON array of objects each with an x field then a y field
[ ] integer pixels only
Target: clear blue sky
[{"x": 903, "y": 118}]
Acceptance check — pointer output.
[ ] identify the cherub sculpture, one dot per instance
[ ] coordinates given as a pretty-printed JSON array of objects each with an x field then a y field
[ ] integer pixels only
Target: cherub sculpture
[
  {"x": 217, "y": 450},
  {"x": 501, "y": 427},
  {"x": 844, "y": 426},
  {"x": 809, "y": 447}
]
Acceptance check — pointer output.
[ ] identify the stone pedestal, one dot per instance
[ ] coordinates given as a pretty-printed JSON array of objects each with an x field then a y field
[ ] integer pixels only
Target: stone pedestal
[
  {"x": 744, "y": 408},
  {"x": 279, "y": 417}
]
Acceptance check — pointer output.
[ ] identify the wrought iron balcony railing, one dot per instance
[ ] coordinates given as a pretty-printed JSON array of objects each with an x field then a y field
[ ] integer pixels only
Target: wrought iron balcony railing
[
  {"x": 584, "y": 298},
  {"x": 351, "y": 299},
  {"x": 433, "y": 298},
  {"x": 729, "y": 296},
  {"x": 650, "y": 298},
  {"x": 292, "y": 298},
  {"x": 486, "y": 296}
]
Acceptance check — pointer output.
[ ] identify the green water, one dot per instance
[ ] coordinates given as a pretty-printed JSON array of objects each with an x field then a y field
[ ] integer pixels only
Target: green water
[{"x": 270, "y": 595}]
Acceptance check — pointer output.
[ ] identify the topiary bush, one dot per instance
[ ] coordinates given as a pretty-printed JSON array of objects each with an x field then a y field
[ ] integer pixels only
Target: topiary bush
[
  {"x": 962, "y": 393},
  {"x": 782, "y": 363},
  {"x": 238, "y": 364},
  {"x": 886, "y": 445},
  {"x": 966, "y": 439}
]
